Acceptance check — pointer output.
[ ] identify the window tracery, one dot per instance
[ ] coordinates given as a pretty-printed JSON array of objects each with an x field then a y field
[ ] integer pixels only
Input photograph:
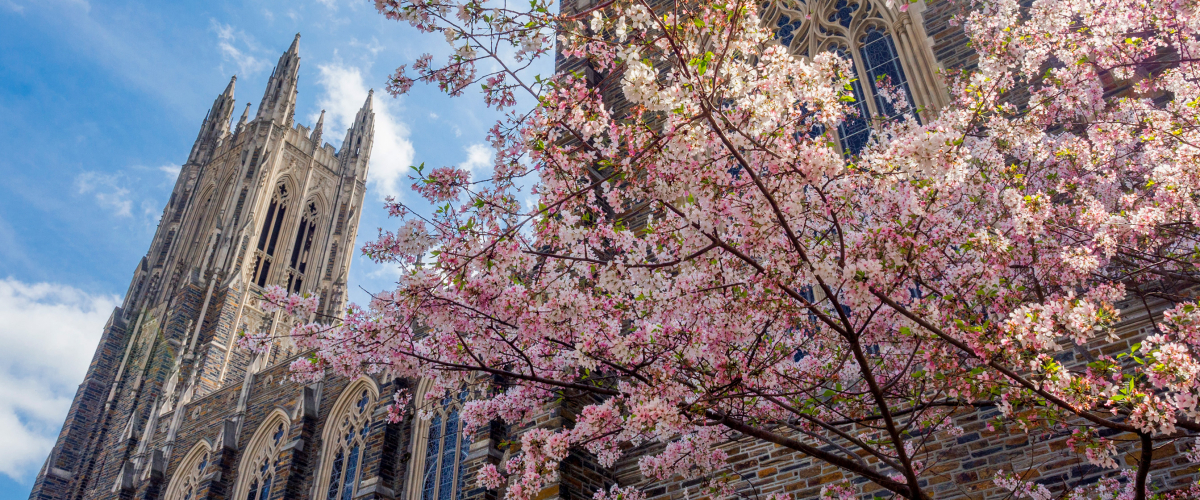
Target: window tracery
[
  {"x": 185, "y": 483},
  {"x": 345, "y": 440},
  {"x": 260, "y": 465},
  {"x": 878, "y": 43},
  {"x": 268, "y": 236}
]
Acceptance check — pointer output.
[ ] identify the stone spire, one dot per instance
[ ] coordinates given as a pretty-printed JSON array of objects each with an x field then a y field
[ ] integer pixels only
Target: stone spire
[
  {"x": 215, "y": 126},
  {"x": 315, "y": 138},
  {"x": 356, "y": 147},
  {"x": 242, "y": 122},
  {"x": 279, "y": 99},
  {"x": 229, "y": 88}
]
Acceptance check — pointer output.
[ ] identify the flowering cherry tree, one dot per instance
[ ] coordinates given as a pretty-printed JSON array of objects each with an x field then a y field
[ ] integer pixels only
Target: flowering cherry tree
[{"x": 675, "y": 237}]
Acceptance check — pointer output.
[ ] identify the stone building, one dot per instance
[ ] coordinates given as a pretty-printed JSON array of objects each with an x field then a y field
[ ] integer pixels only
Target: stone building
[
  {"x": 259, "y": 201},
  {"x": 171, "y": 408}
]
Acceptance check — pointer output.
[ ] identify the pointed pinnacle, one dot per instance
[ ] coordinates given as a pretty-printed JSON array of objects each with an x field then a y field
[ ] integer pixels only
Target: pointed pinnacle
[
  {"x": 316, "y": 132},
  {"x": 245, "y": 114},
  {"x": 367, "y": 105},
  {"x": 229, "y": 88},
  {"x": 295, "y": 45}
]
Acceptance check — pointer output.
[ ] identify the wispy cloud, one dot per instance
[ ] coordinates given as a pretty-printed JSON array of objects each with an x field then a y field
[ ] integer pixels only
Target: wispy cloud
[
  {"x": 107, "y": 190},
  {"x": 479, "y": 160},
  {"x": 171, "y": 171},
  {"x": 343, "y": 95},
  {"x": 228, "y": 40},
  {"x": 49, "y": 332}
]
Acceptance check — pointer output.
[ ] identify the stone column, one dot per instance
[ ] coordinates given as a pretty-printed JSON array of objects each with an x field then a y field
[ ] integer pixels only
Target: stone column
[
  {"x": 151, "y": 487},
  {"x": 293, "y": 461},
  {"x": 214, "y": 485},
  {"x": 382, "y": 446}
]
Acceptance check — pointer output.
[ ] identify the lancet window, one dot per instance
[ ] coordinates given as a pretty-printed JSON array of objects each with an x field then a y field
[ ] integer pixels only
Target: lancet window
[
  {"x": 863, "y": 32},
  {"x": 301, "y": 249},
  {"x": 185, "y": 484},
  {"x": 345, "y": 443},
  {"x": 260, "y": 466},
  {"x": 268, "y": 237},
  {"x": 440, "y": 474}
]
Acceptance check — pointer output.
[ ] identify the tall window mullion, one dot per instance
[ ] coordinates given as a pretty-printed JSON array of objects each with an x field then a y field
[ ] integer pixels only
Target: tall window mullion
[
  {"x": 854, "y": 131},
  {"x": 269, "y": 236},
  {"x": 301, "y": 249}
]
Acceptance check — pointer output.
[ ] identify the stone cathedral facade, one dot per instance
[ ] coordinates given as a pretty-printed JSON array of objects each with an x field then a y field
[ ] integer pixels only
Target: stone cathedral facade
[
  {"x": 170, "y": 401},
  {"x": 172, "y": 409}
]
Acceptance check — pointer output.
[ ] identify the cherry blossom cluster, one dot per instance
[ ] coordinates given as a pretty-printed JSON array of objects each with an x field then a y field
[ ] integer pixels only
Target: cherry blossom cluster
[
  {"x": 275, "y": 297},
  {"x": 675, "y": 234}
]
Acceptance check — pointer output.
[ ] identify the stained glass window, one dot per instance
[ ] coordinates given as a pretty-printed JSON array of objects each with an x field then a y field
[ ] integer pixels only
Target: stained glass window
[
  {"x": 348, "y": 448},
  {"x": 442, "y": 472},
  {"x": 857, "y": 31},
  {"x": 883, "y": 63}
]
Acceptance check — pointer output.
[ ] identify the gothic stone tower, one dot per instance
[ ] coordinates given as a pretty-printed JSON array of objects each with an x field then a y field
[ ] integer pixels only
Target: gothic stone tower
[{"x": 262, "y": 203}]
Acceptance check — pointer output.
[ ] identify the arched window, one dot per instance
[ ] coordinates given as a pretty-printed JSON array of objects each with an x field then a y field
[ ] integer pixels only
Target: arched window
[
  {"x": 186, "y": 481},
  {"x": 301, "y": 249},
  {"x": 268, "y": 236},
  {"x": 439, "y": 475},
  {"x": 260, "y": 464},
  {"x": 344, "y": 441},
  {"x": 861, "y": 31}
]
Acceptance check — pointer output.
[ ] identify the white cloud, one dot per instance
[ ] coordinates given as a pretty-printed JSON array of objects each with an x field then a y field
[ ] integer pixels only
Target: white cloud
[
  {"x": 171, "y": 171},
  {"x": 49, "y": 332},
  {"x": 109, "y": 194},
  {"x": 392, "y": 153},
  {"x": 227, "y": 39},
  {"x": 479, "y": 161},
  {"x": 368, "y": 49}
]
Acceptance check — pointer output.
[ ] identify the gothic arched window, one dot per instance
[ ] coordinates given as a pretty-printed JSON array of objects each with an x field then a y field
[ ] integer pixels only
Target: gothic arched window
[
  {"x": 268, "y": 236},
  {"x": 260, "y": 464},
  {"x": 440, "y": 443},
  {"x": 185, "y": 483},
  {"x": 301, "y": 249},
  {"x": 864, "y": 33},
  {"x": 345, "y": 440}
]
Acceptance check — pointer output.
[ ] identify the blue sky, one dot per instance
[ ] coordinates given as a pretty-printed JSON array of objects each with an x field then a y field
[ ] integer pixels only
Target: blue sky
[{"x": 100, "y": 101}]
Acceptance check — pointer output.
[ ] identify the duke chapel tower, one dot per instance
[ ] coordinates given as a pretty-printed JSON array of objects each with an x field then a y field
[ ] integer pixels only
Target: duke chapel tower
[{"x": 171, "y": 407}]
